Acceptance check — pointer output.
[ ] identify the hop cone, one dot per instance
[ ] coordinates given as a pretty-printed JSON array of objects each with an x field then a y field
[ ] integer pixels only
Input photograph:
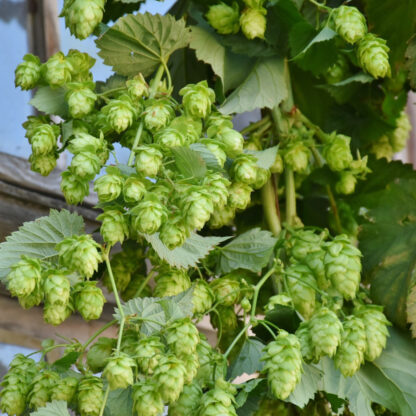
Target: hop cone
[
  {"x": 191, "y": 364},
  {"x": 305, "y": 340},
  {"x": 240, "y": 195},
  {"x": 148, "y": 160},
  {"x": 56, "y": 287},
  {"x": 202, "y": 297},
  {"x": 400, "y": 134},
  {"x": 65, "y": 389},
  {"x": 99, "y": 353},
  {"x": 226, "y": 290},
  {"x": 147, "y": 399},
  {"x": 84, "y": 142},
  {"x": 283, "y": 364},
  {"x": 338, "y": 71},
  {"x": 80, "y": 99},
  {"x": 171, "y": 282},
  {"x": 148, "y": 216},
  {"x": 120, "y": 114},
  {"x": 169, "y": 375},
  {"x": 114, "y": 227},
  {"x": 89, "y": 300},
  {"x": 43, "y": 139},
  {"x": 376, "y": 331},
  {"x": 169, "y": 137},
  {"x": 34, "y": 299},
  {"x": 343, "y": 266},
  {"x": 27, "y": 73},
  {"x": 244, "y": 169},
  {"x": 130, "y": 341},
  {"x": 82, "y": 16},
  {"x": 148, "y": 353},
  {"x": 134, "y": 189},
  {"x": 119, "y": 371},
  {"x": 25, "y": 275},
  {"x": 218, "y": 186},
  {"x": 188, "y": 402},
  {"x": 301, "y": 284},
  {"x": 222, "y": 218},
  {"x": 43, "y": 164},
  {"x": 57, "y": 70},
  {"x": 219, "y": 401},
  {"x": 41, "y": 389},
  {"x": 81, "y": 64},
  {"x": 337, "y": 152},
  {"x": 253, "y": 22},
  {"x": 350, "y": 353},
  {"x": 85, "y": 165},
  {"x": 137, "y": 87},
  {"x": 226, "y": 318},
  {"x": 173, "y": 234},
  {"x": 197, "y": 99},
  {"x": 182, "y": 337},
  {"x": 281, "y": 299},
  {"x": 296, "y": 156},
  {"x": 350, "y": 24},
  {"x": 198, "y": 207},
  {"x": 325, "y": 330},
  {"x": 224, "y": 19},
  {"x": 373, "y": 56},
  {"x": 217, "y": 149},
  {"x": 108, "y": 187},
  {"x": 158, "y": 115},
  {"x": 90, "y": 396},
  {"x": 75, "y": 189},
  {"x": 346, "y": 183},
  {"x": 55, "y": 314},
  {"x": 232, "y": 140}
]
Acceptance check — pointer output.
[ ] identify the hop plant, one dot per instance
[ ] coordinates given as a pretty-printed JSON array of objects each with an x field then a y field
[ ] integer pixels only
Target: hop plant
[
  {"x": 56, "y": 287},
  {"x": 169, "y": 375},
  {"x": 219, "y": 401},
  {"x": 191, "y": 364},
  {"x": 28, "y": 72},
  {"x": 171, "y": 282},
  {"x": 337, "y": 152},
  {"x": 43, "y": 164},
  {"x": 226, "y": 318},
  {"x": 82, "y": 16},
  {"x": 283, "y": 364},
  {"x": 173, "y": 233},
  {"x": 346, "y": 183},
  {"x": 89, "y": 300},
  {"x": 99, "y": 353},
  {"x": 41, "y": 389},
  {"x": 218, "y": 186},
  {"x": 188, "y": 402},
  {"x": 349, "y": 23},
  {"x": 401, "y": 132},
  {"x": 148, "y": 160},
  {"x": 226, "y": 290},
  {"x": 222, "y": 218},
  {"x": 57, "y": 70},
  {"x": 244, "y": 169},
  {"x": 114, "y": 227},
  {"x": 202, "y": 297},
  {"x": 182, "y": 337},
  {"x": 55, "y": 314},
  {"x": 375, "y": 323},
  {"x": 65, "y": 389},
  {"x": 296, "y": 156},
  {"x": 108, "y": 187},
  {"x": 232, "y": 140},
  {"x": 338, "y": 71},
  {"x": 148, "y": 352},
  {"x": 24, "y": 276},
  {"x": 197, "y": 99},
  {"x": 119, "y": 371},
  {"x": 147, "y": 399},
  {"x": 148, "y": 216},
  {"x": 217, "y": 149},
  {"x": 239, "y": 195},
  {"x": 81, "y": 64},
  {"x": 43, "y": 139},
  {"x": 134, "y": 189},
  {"x": 198, "y": 208},
  {"x": 158, "y": 114},
  {"x": 34, "y": 299},
  {"x": 137, "y": 87},
  {"x": 343, "y": 266},
  {"x": 86, "y": 165},
  {"x": 253, "y": 22},
  {"x": 90, "y": 396},
  {"x": 305, "y": 340},
  {"x": 281, "y": 299},
  {"x": 373, "y": 56},
  {"x": 80, "y": 98},
  {"x": 350, "y": 353},
  {"x": 301, "y": 283},
  {"x": 79, "y": 253},
  {"x": 224, "y": 19},
  {"x": 325, "y": 330},
  {"x": 120, "y": 114}
]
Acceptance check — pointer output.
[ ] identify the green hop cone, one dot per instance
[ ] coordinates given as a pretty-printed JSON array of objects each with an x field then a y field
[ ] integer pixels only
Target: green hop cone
[
  {"x": 108, "y": 187},
  {"x": 198, "y": 207},
  {"x": 148, "y": 160},
  {"x": 232, "y": 141},
  {"x": 119, "y": 371},
  {"x": 54, "y": 314},
  {"x": 350, "y": 23},
  {"x": 57, "y": 70},
  {"x": 216, "y": 122},
  {"x": 136, "y": 283},
  {"x": 75, "y": 189},
  {"x": 89, "y": 300},
  {"x": 147, "y": 399},
  {"x": 350, "y": 353},
  {"x": 224, "y": 19},
  {"x": 325, "y": 330},
  {"x": 376, "y": 331},
  {"x": 134, "y": 189},
  {"x": 24, "y": 276},
  {"x": 244, "y": 169},
  {"x": 343, "y": 266},
  {"x": 65, "y": 389},
  {"x": 137, "y": 87},
  {"x": 56, "y": 287},
  {"x": 43, "y": 164},
  {"x": 301, "y": 283},
  {"x": 219, "y": 401},
  {"x": 171, "y": 282},
  {"x": 277, "y": 166},
  {"x": 223, "y": 217},
  {"x": 82, "y": 16},
  {"x": 239, "y": 195},
  {"x": 382, "y": 148},
  {"x": 346, "y": 183},
  {"x": 43, "y": 139},
  {"x": 262, "y": 176},
  {"x": 337, "y": 152},
  {"x": 191, "y": 364},
  {"x": 271, "y": 407},
  {"x": 218, "y": 186},
  {"x": 188, "y": 402},
  {"x": 34, "y": 299},
  {"x": 41, "y": 389},
  {"x": 148, "y": 352},
  {"x": 253, "y": 22},
  {"x": 148, "y": 216},
  {"x": 80, "y": 253},
  {"x": 296, "y": 156},
  {"x": 401, "y": 133},
  {"x": 197, "y": 99},
  {"x": 99, "y": 353},
  {"x": 158, "y": 114},
  {"x": 306, "y": 347},
  {"x": 80, "y": 99},
  {"x": 32, "y": 123},
  {"x": 202, "y": 297},
  {"x": 373, "y": 56},
  {"x": 338, "y": 71},
  {"x": 90, "y": 396},
  {"x": 169, "y": 375},
  {"x": 182, "y": 337},
  {"x": 28, "y": 72},
  {"x": 226, "y": 318},
  {"x": 217, "y": 149},
  {"x": 173, "y": 234},
  {"x": 81, "y": 64},
  {"x": 84, "y": 142},
  {"x": 85, "y": 165},
  {"x": 114, "y": 227},
  {"x": 120, "y": 114},
  {"x": 283, "y": 364},
  {"x": 169, "y": 137},
  {"x": 282, "y": 299},
  {"x": 226, "y": 291}
]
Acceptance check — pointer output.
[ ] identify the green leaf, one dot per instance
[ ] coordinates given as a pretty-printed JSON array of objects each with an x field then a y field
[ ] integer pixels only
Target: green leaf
[
  {"x": 117, "y": 8},
  {"x": 411, "y": 61},
  {"x": 66, "y": 362},
  {"x": 178, "y": 306},
  {"x": 111, "y": 83},
  {"x": 55, "y": 408},
  {"x": 141, "y": 42},
  {"x": 208, "y": 157},
  {"x": 264, "y": 86},
  {"x": 189, "y": 162},
  {"x": 50, "y": 101},
  {"x": 306, "y": 388},
  {"x": 119, "y": 402},
  {"x": 194, "y": 249},
  {"x": 38, "y": 238},
  {"x": 249, "y": 387},
  {"x": 251, "y": 250},
  {"x": 411, "y": 310},
  {"x": 248, "y": 360},
  {"x": 265, "y": 158}
]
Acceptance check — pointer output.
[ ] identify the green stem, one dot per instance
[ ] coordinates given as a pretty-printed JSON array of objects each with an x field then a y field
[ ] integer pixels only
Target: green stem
[
  {"x": 254, "y": 126},
  {"x": 109, "y": 92},
  {"x": 322, "y": 293},
  {"x": 320, "y": 6},
  {"x": 135, "y": 143},
  {"x": 236, "y": 339},
  {"x": 144, "y": 283},
  {"x": 290, "y": 196},
  {"x": 257, "y": 290},
  {"x": 107, "y": 391},
  {"x": 268, "y": 328},
  {"x": 154, "y": 84},
  {"x": 320, "y": 134},
  {"x": 268, "y": 197},
  {"x": 168, "y": 75}
]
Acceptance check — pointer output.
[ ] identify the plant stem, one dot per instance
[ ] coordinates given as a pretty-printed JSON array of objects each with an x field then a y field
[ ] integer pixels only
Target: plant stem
[
  {"x": 254, "y": 126},
  {"x": 320, "y": 134},
  {"x": 135, "y": 143},
  {"x": 99, "y": 332},
  {"x": 144, "y": 283},
  {"x": 290, "y": 196},
  {"x": 319, "y": 5},
  {"x": 107, "y": 391},
  {"x": 268, "y": 328},
  {"x": 268, "y": 197},
  {"x": 156, "y": 80},
  {"x": 236, "y": 339},
  {"x": 257, "y": 290},
  {"x": 109, "y": 92},
  {"x": 168, "y": 75}
]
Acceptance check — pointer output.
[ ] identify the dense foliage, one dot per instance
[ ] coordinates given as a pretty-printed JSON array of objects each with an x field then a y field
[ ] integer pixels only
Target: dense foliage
[{"x": 294, "y": 235}]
